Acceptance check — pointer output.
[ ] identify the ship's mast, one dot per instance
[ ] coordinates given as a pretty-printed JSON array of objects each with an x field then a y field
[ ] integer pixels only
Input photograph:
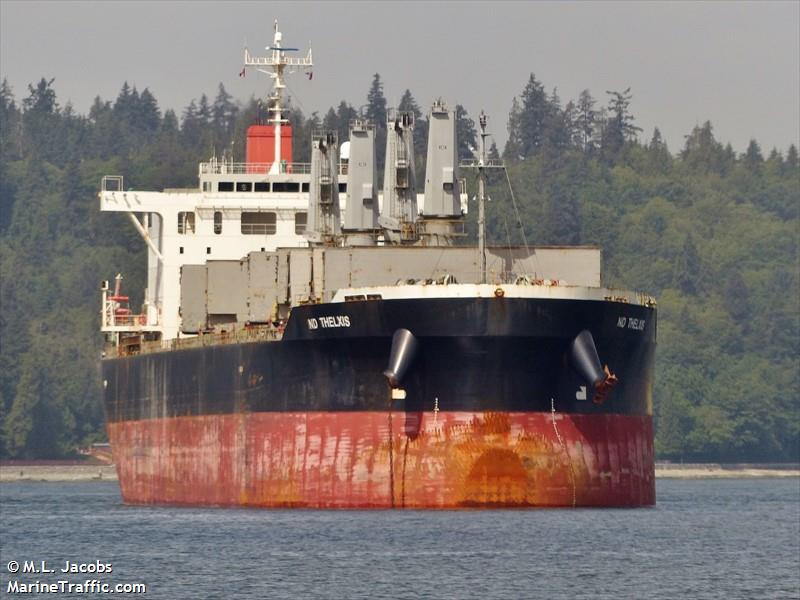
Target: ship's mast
[
  {"x": 482, "y": 197},
  {"x": 481, "y": 163},
  {"x": 277, "y": 65}
]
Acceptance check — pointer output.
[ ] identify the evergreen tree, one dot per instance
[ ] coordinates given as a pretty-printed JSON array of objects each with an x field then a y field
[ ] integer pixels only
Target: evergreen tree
[
  {"x": 204, "y": 111},
  {"x": 99, "y": 110},
  {"x": 702, "y": 153},
  {"x": 557, "y": 134},
  {"x": 37, "y": 426},
  {"x": 535, "y": 111},
  {"x": 39, "y": 120},
  {"x": 570, "y": 120},
  {"x": 774, "y": 164},
  {"x": 125, "y": 112},
  {"x": 753, "y": 159},
  {"x": 736, "y": 297},
  {"x": 9, "y": 149},
  {"x": 191, "y": 126},
  {"x": 42, "y": 99},
  {"x": 223, "y": 115},
  {"x": 303, "y": 133},
  {"x": 376, "y": 102},
  {"x": 9, "y": 124},
  {"x": 586, "y": 121},
  {"x": 345, "y": 113},
  {"x": 148, "y": 115},
  {"x": 409, "y": 104},
  {"x": 513, "y": 148},
  {"x": 376, "y": 114},
  {"x": 619, "y": 128},
  {"x": 658, "y": 154},
  {"x": 687, "y": 270},
  {"x": 331, "y": 121},
  {"x": 170, "y": 122},
  {"x": 466, "y": 134},
  {"x": 728, "y": 158},
  {"x": 674, "y": 419},
  {"x": 791, "y": 157},
  {"x": 562, "y": 222}
]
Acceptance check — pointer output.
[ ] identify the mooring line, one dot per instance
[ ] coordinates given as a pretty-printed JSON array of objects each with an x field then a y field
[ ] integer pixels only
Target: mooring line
[{"x": 564, "y": 448}]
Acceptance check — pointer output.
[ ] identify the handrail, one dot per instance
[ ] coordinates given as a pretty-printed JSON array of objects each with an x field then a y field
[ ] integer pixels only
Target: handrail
[
  {"x": 245, "y": 168},
  {"x": 252, "y": 334},
  {"x": 112, "y": 183},
  {"x": 473, "y": 163}
]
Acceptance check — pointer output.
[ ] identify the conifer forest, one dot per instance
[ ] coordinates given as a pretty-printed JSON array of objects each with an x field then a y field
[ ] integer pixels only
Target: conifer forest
[{"x": 709, "y": 230}]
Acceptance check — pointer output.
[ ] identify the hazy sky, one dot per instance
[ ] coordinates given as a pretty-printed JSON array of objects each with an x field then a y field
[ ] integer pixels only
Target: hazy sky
[{"x": 735, "y": 63}]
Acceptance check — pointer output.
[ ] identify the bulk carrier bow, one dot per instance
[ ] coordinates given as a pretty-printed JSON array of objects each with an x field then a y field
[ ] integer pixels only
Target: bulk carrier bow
[{"x": 307, "y": 341}]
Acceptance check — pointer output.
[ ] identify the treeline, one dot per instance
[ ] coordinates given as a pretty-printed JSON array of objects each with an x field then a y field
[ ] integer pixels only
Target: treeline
[{"x": 711, "y": 232}]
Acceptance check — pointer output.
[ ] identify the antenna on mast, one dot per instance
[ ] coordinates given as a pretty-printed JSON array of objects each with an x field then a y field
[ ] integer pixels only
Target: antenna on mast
[
  {"x": 481, "y": 164},
  {"x": 277, "y": 65}
]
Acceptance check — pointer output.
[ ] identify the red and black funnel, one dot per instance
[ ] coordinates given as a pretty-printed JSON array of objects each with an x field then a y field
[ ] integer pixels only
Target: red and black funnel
[
  {"x": 583, "y": 355},
  {"x": 404, "y": 349}
]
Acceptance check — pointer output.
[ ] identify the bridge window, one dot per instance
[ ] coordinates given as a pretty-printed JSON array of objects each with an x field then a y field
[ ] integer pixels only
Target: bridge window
[
  {"x": 300, "y": 222},
  {"x": 217, "y": 222},
  {"x": 262, "y": 186},
  {"x": 225, "y": 186},
  {"x": 342, "y": 188},
  {"x": 285, "y": 186},
  {"x": 185, "y": 222},
  {"x": 244, "y": 186},
  {"x": 259, "y": 223},
  {"x": 305, "y": 187}
]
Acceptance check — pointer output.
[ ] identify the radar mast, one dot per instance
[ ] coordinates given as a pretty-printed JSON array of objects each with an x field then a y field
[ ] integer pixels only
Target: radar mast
[
  {"x": 277, "y": 65},
  {"x": 481, "y": 163}
]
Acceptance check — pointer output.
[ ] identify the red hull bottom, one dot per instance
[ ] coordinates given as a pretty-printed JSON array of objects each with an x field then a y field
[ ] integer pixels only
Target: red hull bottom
[{"x": 383, "y": 460}]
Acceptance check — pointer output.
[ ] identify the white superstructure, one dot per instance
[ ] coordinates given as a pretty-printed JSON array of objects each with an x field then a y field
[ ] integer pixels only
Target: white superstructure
[
  {"x": 191, "y": 227},
  {"x": 237, "y": 208},
  {"x": 244, "y": 207}
]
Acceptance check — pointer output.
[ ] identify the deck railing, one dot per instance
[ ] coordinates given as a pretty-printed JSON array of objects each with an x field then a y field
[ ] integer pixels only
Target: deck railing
[
  {"x": 239, "y": 336},
  {"x": 234, "y": 168}
]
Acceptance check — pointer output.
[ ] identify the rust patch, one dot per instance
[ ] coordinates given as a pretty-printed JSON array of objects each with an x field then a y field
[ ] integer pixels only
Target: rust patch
[
  {"x": 492, "y": 423},
  {"x": 497, "y": 478}
]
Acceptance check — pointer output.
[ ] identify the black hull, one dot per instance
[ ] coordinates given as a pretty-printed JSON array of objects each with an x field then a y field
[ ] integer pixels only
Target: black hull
[
  {"x": 484, "y": 354},
  {"x": 492, "y": 415}
]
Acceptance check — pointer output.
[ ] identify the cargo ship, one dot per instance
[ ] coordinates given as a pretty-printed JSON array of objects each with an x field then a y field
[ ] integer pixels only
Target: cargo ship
[{"x": 310, "y": 340}]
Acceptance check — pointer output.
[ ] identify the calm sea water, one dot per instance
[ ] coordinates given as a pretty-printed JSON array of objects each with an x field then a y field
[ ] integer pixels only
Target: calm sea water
[{"x": 705, "y": 539}]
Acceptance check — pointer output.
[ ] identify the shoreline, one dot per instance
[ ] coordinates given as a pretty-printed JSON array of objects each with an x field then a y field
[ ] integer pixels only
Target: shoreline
[
  {"x": 58, "y": 472},
  {"x": 43, "y": 473}
]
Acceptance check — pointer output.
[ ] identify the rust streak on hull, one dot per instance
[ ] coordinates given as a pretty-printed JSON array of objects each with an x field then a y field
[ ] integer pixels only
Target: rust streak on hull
[{"x": 342, "y": 460}]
